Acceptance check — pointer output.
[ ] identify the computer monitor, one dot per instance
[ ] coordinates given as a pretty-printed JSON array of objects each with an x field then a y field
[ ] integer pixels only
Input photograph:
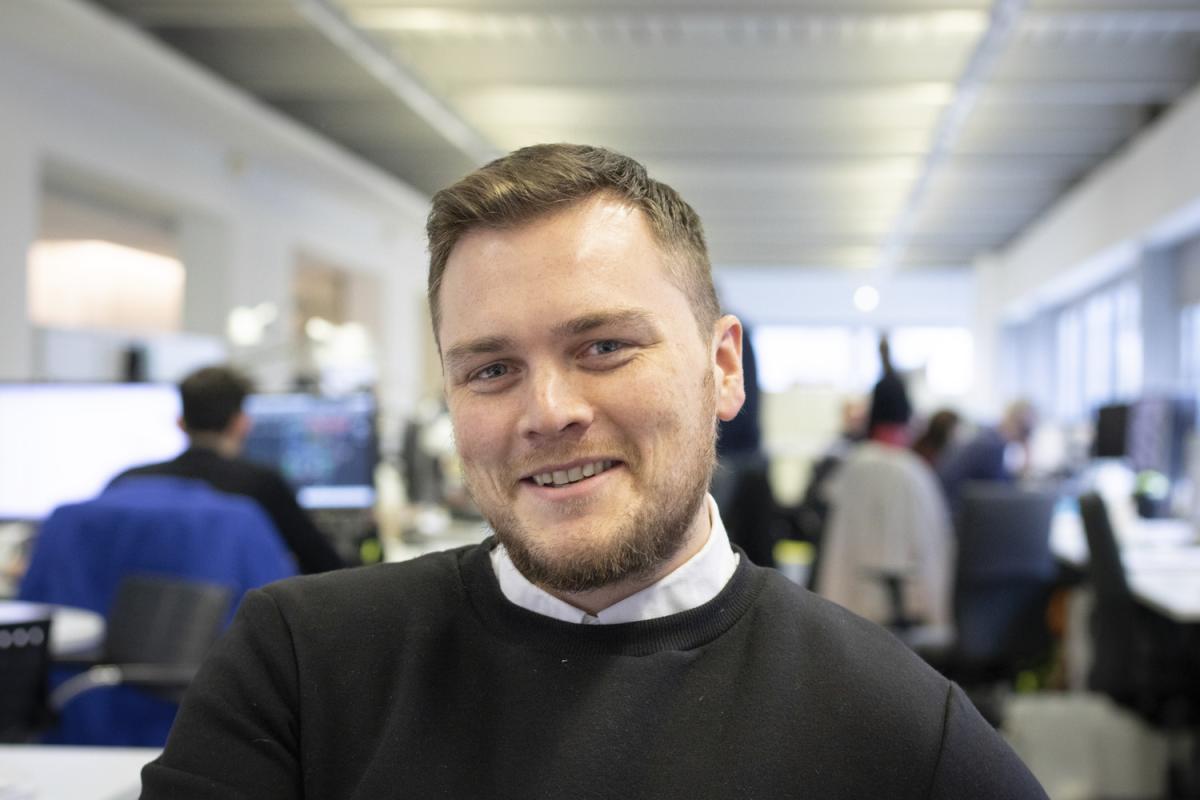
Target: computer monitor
[
  {"x": 1158, "y": 430},
  {"x": 326, "y": 447},
  {"x": 1112, "y": 431},
  {"x": 62, "y": 443}
]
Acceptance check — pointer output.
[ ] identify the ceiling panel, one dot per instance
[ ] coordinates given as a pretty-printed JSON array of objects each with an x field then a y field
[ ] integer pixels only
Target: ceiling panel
[{"x": 811, "y": 133}]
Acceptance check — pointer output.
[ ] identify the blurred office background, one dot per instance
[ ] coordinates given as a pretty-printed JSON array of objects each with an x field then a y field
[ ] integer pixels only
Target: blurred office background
[{"x": 1009, "y": 190}]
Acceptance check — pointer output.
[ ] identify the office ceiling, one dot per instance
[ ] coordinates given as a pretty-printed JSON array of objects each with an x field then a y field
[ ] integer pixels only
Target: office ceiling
[{"x": 844, "y": 133}]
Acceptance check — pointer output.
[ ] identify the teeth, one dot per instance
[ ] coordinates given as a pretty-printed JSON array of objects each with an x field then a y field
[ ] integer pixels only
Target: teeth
[{"x": 562, "y": 477}]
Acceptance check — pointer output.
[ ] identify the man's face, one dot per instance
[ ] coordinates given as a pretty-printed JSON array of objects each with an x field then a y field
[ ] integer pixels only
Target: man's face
[{"x": 584, "y": 399}]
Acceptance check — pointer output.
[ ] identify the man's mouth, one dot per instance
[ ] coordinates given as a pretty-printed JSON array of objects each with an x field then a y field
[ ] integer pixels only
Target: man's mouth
[{"x": 563, "y": 477}]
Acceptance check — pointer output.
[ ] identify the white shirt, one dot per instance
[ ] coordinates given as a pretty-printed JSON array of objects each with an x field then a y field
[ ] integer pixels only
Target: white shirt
[
  {"x": 888, "y": 517},
  {"x": 692, "y": 584}
]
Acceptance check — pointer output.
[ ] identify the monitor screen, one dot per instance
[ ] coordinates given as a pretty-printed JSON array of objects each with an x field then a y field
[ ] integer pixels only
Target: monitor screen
[
  {"x": 1158, "y": 430},
  {"x": 61, "y": 443},
  {"x": 326, "y": 447},
  {"x": 1112, "y": 431}
]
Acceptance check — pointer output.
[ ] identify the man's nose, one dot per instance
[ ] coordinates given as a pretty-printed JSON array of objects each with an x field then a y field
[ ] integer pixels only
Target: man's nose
[{"x": 555, "y": 404}]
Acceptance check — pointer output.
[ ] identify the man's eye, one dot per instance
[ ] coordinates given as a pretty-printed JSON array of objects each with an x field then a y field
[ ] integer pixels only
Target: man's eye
[
  {"x": 606, "y": 346},
  {"x": 490, "y": 372}
]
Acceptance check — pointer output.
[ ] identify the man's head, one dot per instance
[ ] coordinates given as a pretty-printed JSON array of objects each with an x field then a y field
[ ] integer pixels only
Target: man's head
[
  {"x": 1018, "y": 421},
  {"x": 584, "y": 403},
  {"x": 536, "y": 181},
  {"x": 211, "y": 400}
]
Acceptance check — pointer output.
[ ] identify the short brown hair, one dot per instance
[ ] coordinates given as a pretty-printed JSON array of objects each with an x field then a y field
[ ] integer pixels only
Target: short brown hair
[
  {"x": 537, "y": 180},
  {"x": 210, "y": 398}
]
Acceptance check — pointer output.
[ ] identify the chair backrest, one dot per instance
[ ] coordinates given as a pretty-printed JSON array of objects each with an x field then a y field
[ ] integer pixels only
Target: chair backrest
[
  {"x": 171, "y": 527},
  {"x": 175, "y": 529},
  {"x": 24, "y": 665},
  {"x": 1105, "y": 569},
  {"x": 1004, "y": 532},
  {"x": 1004, "y": 576},
  {"x": 1114, "y": 615},
  {"x": 156, "y": 620}
]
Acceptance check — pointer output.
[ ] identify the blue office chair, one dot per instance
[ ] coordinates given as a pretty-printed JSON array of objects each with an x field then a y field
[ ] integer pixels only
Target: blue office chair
[{"x": 152, "y": 526}]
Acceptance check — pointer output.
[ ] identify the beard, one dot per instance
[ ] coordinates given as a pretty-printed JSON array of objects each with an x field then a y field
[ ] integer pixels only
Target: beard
[{"x": 637, "y": 541}]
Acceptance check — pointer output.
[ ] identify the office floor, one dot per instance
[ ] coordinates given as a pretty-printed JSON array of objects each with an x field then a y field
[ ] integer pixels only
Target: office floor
[{"x": 1083, "y": 747}]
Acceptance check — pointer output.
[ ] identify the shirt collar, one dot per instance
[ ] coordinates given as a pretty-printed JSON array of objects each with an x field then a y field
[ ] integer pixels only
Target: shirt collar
[{"x": 692, "y": 584}]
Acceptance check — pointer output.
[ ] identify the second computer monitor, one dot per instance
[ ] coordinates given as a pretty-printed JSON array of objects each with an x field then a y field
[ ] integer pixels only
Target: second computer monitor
[{"x": 326, "y": 447}]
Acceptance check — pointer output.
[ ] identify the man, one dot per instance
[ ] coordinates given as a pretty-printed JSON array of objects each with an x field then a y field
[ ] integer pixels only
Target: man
[
  {"x": 607, "y": 642},
  {"x": 891, "y": 410},
  {"x": 987, "y": 455},
  {"x": 216, "y": 427}
]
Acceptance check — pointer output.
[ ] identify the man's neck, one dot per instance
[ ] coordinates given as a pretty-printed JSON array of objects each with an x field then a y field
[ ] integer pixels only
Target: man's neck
[
  {"x": 220, "y": 443},
  {"x": 593, "y": 601}
]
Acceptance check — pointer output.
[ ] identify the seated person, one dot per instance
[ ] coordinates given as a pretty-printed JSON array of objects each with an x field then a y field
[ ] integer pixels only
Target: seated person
[
  {"x": 216, "y": 427},
  {"x": 607, "y": 641},
  {"x": 985, "y": 457},
  {"x": 889, "y": 527},
  {"x": 936, "y": 439}
]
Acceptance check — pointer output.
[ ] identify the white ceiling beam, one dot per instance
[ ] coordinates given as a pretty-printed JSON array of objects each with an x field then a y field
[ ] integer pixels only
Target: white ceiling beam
[
  {"x": 1004, "y": 18},
  {"x": 675, "y": 26},
  {"x": 398, "y": 78}
]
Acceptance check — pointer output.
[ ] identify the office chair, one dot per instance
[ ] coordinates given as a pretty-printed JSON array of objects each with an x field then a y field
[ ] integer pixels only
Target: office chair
[
  {"x": 157, "y": 633},
  {"x": 887, "y": 554},
  {"x": 169, "y": 527},
  {"x": 1140, "y": 658},
  {"x": 742, "y": 490},
  {"x": 1004, "y": 576},
  {"x": 24, "y": 663}
]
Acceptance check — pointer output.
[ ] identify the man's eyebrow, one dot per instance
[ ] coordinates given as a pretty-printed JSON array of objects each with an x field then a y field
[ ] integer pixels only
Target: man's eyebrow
[
  {"x": 590, "y": 322},
  {"x": 483, "y": 345}
]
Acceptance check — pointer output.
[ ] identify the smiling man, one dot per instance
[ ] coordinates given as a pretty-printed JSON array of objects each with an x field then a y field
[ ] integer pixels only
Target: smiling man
[{"x": 607, "y": 641}]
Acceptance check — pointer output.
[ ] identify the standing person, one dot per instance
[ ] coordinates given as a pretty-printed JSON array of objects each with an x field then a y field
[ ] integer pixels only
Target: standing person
[
  {"x": 606, "y": 641},
  {"x": 216, "y": 428},
  {"x": 891, "y": 409}
]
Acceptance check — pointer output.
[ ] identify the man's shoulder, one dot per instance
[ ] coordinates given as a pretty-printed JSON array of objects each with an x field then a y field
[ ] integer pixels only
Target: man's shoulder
[
  {"x": 244, "y": 477},
  {"x": 142, "y": 470},
  {"x": 425, "y": 582},
  {"x": 823, "y": 638}
]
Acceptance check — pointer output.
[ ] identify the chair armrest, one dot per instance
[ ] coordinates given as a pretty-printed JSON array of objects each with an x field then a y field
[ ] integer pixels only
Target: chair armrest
[{"x": 147, "y": 676}]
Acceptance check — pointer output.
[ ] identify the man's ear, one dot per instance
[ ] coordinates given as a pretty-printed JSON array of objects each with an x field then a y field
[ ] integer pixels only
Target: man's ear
[
  {"x": 727, "y": 366},
  {"x": 240, "y": 425}
]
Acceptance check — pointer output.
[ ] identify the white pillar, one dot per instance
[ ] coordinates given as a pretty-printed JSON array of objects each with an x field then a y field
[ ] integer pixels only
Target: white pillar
[
  {"x": 20, "y": 199},
  {"x": 982, "y": 402},
  {"x": 206, "y": 250},
  {"x": 1160, "y": 321}
]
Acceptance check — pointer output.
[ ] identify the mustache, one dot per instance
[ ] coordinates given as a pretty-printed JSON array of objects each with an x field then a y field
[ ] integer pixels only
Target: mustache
[{"x": 557, "y": 454}]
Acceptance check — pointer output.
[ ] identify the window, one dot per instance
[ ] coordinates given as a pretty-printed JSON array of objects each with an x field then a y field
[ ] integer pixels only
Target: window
[
  {"x": 1128, "y": 338},
  {"x": 1098, "y": 349},
  {"x": 1189, "y": 347},
  {"x": 846, "y": 358},
  {"x": 99, "y": 285},
  {"x": 1069, "y": 372}
]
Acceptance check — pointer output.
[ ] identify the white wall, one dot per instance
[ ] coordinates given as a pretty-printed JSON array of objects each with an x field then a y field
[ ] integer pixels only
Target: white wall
[
  {"x": 826, "y": 297},
  {"x": 1146, "y": 196},
  {"x": 96, "y": 103}
]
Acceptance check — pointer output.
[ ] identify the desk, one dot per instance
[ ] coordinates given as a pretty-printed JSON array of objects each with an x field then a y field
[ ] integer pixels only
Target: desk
[
  {"x": 1161, "y": 559},
  {"x": 455, "y": 533},
  {"x": 72, "y": 630},
  {"x": 34, "y": 772}
]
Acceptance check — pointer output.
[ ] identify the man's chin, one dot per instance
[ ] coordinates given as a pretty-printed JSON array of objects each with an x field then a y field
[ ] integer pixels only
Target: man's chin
[{"x": 580, "y": 558}]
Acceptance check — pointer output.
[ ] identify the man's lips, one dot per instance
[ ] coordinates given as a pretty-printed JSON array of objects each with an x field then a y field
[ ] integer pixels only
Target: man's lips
[{"x": 570, "y": 472}]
